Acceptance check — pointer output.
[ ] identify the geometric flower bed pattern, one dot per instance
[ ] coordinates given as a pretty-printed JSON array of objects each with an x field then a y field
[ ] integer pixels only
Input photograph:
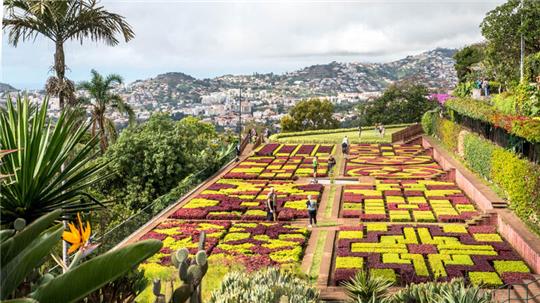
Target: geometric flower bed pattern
[
  {"x": 407, "y": 201},
  {"x": 413, "y": 254},
  {"x": 391, "y": 162},
  {"x": 246, "y": 200},
  {"x": 253, "y": 244},
  {"x": 277, "y": 168},
  {"x": 288, "y": 150}
]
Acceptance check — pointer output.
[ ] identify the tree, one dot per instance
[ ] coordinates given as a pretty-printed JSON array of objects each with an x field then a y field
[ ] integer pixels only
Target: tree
[
  {"x": 150, "y": 159},
  {"x": 308, "y": 115},
  {"x": 403, "y": 102},
  {"x": 36, "y": 182},
  {"x": 62, "y": 21},
  {"x": 466, "y": 58},
  {"x": 103, "y": 100},
  {"x": 502, "y": 28}
]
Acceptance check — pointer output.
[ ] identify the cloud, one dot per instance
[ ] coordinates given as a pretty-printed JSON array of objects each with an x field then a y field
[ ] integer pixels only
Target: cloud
[{"x": 209, "y": 38}]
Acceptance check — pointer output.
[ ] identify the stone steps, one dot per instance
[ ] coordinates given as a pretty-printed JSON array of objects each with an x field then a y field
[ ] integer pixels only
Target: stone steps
[{"x": 528, "y": 293}]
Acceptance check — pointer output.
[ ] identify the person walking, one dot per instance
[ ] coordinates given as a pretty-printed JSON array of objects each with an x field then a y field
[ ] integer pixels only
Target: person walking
[
  {"x": 312, "y": 210},
  {"x": 345, "y": 145},
  {"x": 360, "y": 131},
  {"x": 382, "y": 130},
  {"x": 485, "y": 87},
  {"x": 315, "y": 166},
  {"x": 331, "y": 163},
  {"x": 253, "y": 135},
  {"x": 271, "y": 205}
]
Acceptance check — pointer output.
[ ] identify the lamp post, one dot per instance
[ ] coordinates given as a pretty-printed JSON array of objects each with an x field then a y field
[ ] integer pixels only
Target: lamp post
[
  {"x": 240, "y": 117},
  {"x": 522, "y": 45}
]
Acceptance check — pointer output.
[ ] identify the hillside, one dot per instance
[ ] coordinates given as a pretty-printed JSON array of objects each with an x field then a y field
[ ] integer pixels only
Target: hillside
[
  {"x": 4, "y": 87},
  {"x": 434, "y": 68}
]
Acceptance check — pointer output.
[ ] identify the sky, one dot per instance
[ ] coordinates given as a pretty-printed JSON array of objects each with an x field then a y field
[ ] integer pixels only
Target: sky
[{"x": 211, "y": 38}]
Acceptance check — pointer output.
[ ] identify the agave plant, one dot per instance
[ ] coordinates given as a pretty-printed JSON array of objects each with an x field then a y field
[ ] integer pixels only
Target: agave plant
[
  {"x": 455, "y": 291},
  {"x": 364, "y": 288},
  {"x": 23, "y": 250},
  {"x": 50, "y": 168},
  {"x": 266, "y": 286}
]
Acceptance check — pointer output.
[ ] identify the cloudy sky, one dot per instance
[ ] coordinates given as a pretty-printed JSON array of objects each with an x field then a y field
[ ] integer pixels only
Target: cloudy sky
[{"x": 210, "y": 38}]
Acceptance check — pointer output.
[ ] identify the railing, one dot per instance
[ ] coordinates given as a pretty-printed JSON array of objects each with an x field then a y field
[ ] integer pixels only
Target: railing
[
  {"x": 407, "y": 133},
  {"x": 525, "y": 286}
]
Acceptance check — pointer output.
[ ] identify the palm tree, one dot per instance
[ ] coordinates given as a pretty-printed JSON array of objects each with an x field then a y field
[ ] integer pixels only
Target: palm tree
[
  {"x": 62, "y": 21},
  {"x": 49, "y": 167},
  {"x": 101, "y": 100}
]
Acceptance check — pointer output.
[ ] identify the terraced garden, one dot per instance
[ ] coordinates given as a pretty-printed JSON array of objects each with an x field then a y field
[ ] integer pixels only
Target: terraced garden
[{"x": 389, "y": 209}]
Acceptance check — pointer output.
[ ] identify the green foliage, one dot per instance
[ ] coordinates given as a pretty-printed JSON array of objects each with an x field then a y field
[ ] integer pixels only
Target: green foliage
[
  {"x": 478, "y": 153},
  {"x": 123, "y": 290},
  {"x": 448, "y": 292},
  {"x": 510, "y": 266},
  {"x": 49, "y": 169},
  {"x": 520, "y": 180},
  {"x": 532, "y": 67},
  {"x": 24, "y": 251},
  {"x": 527, "y": 99},
  {"x": 428, "y": 122},
  {"x": 465, "y": 59},
  {"x": 364, "y": 287},
  {"x": 448, "y": 132},
  {"x": 502, "y": 28},
  {"x": 505, "y": 103},
  {"x": 265, "y": 286},
  {"x": 404, "y": 102},
  {"x": 310, "y": 114},
  {"x": 522, "y": 126},
  {"x": 148, "y": 160},
  {"x": 463, "y": 89}
]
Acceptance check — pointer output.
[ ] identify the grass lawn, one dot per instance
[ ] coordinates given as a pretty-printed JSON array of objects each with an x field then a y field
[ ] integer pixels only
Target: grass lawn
[
  {"x": 317, "y": 257},
  {"x": 368, "y": 136}
]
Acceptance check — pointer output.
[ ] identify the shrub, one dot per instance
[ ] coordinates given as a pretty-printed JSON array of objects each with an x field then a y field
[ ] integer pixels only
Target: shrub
[
  {"x": 270, "y": 285},
  {"x": 447, "y": 292},
  {"x": 428, "y": 122},
  {"x": 448, "y": 132},
  {"x": 520, "y": 180},
  {"x": 366, "y": 287},
  {"x": 478, "y": 153}
]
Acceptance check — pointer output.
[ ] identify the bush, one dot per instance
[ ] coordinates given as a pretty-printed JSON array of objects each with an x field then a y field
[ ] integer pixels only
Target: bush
[
  {"x": 433, "y": 292},
  {"x": 504, "y": 103},
  {"x": 270, "y": 285},
  {"x": 365, "y": 287},
  {"x": 428, "y": 122},
  {"x": 477, "y": 153},
  {"x": 520, "y": 180},
  {"x": 448, "y": 132}
]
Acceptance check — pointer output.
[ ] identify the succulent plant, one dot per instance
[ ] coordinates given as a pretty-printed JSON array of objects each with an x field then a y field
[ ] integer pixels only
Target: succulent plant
[{"x": 191, "y": 272}]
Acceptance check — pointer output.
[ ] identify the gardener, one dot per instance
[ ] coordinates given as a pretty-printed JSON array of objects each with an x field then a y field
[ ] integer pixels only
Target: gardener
[
  {"x": 271, "y": 205},
  {"x": 315, "y": 165},
  {"x": 312, "y": 210}
]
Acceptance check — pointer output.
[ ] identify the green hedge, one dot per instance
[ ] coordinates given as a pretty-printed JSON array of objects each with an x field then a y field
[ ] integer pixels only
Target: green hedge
[
  {"x": 428, "y": 121},
  {"x": 477, "y": 153},
  {"x": 331, "y": 131},
  {"x": 448, "y": 132},
  {"x": 516, "y": 178},
  {"x": 521, "y": 126}
]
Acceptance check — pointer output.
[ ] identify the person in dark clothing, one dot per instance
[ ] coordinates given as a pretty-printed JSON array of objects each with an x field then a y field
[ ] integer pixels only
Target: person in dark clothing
[
  {"x": 271, "y": 214},
  {"x": 331, "y": 163},
  {"x": 312, "y": 210}
]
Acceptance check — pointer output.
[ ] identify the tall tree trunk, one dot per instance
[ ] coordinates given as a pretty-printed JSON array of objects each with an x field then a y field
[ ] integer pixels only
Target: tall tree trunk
[
  {"x": 102, "y": 134},
  {"x": 60, "y": 68}
]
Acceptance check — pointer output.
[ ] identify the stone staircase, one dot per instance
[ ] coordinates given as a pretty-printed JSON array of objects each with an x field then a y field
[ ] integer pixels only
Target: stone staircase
[
  {"x": 527, "y": 292},
  {"x": 487, "y": 218}
]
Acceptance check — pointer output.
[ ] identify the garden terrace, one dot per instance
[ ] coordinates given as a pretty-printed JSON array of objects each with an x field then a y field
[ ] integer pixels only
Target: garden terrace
[
  {"x": 413, "y": 254},
  {"x": 277, "y": 168},
  {"x": 407, "y": 201},
  {"x": 228, "y": 199},
  {"x": 253, "y": 244}
]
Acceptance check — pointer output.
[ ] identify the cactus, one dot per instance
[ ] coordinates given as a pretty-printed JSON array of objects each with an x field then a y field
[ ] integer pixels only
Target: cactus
[{"x": 191, "y": 272}]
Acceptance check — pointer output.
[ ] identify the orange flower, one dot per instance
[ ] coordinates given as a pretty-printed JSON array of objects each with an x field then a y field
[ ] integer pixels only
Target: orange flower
[{"x": 79, "y": 236}]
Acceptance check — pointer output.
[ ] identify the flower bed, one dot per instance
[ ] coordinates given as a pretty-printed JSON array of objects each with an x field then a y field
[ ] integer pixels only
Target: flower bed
[
  {"x": 246, "y": 200},
  {"x": 277, "y": 168},
  {"x": 407, "y": 201},
  {"x": 420, "y": 171},
  {"x": 411, "y": 254},
  {"x": 255, "y": 245},
  {"x": 368, "y": 149},
  {"x": 288, "y": 150}
]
